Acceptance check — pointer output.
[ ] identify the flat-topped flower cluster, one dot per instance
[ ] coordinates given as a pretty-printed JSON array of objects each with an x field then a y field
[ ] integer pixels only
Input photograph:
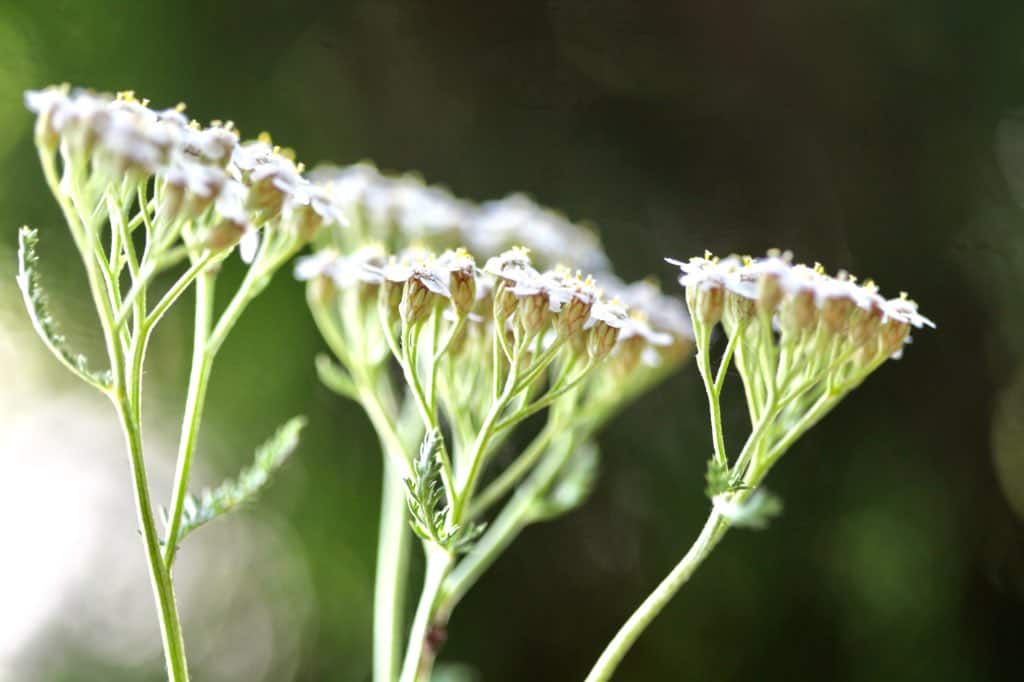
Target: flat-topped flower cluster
[
  {"x": 797, "y": 297},
  {"x": 219, "y": 189},
  {"x": 489, "y": 316},
  {"x": 800, "y": 339}
]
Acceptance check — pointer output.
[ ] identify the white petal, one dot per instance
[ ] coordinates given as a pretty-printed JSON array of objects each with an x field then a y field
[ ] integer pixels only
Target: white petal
[{"x": 248, "y": 246}]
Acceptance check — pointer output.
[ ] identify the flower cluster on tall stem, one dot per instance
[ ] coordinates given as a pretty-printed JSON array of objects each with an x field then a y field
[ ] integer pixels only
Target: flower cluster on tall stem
[
  {"x": 483, "y": 334},
  {"x": 143, "y": 192},
  {"x": 480, "y": 350},
  {"x": 800, "y": 340}
]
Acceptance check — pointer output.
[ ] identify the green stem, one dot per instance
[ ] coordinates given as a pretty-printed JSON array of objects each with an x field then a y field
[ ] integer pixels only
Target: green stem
[
  {"x": 202, "y": 362},
  {"x": 627, "y": 635},
  {"x": 159, "y": 574},
  {"x": 420, "y": 654},
  {"x": 505, "y": 528},
  {"x": 126, "y": 396},
  {"x": 392, "y": 569},
  {"x": 514, "y": 473},
  {"x": 714, "y": 407}
]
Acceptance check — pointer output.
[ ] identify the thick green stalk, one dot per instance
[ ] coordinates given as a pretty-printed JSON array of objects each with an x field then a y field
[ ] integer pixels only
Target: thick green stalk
[
  {"x": 419, "y": 656},
  {"x": 159, "y": 574},
  {"x": 627, "y": 635},
  {"x": 126, "y": 396},
  {"x": 390, "y": 581}
]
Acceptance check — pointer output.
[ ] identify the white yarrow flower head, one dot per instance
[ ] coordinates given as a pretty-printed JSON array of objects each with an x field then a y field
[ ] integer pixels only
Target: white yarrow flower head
[
  {"x": 807, "y": 318},
  {"x": 800, "y": 340}
]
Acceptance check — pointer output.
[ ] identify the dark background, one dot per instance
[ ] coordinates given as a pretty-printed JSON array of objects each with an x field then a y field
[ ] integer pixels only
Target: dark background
[{"x": 875, "y": 136}]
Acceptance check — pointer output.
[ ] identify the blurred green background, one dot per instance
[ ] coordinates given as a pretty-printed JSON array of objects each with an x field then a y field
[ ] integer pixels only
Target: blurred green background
[{"x": 885, "y": 138}]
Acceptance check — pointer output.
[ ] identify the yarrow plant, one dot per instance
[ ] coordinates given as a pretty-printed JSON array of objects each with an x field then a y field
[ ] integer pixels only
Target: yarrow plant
[
  {"x": 449, "y": 356},
  {"x": 487, "y": 343},
  {"x": 144, "y": 192},
  {"x": 800, "y": 340}
]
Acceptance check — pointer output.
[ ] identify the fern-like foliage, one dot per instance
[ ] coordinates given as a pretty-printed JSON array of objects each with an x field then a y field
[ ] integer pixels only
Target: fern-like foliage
[
  {"x": 45, "y": 324},
  {"x": 233, "y": 493},
  {"x": 718, "y": 479},
  {"x": 425, "y": 499}
]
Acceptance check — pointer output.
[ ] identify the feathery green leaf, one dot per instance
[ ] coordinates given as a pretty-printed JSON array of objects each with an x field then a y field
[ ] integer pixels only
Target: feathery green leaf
[
  {"x": 233, "y": 493},
  {"x": 45, "y": 324}
]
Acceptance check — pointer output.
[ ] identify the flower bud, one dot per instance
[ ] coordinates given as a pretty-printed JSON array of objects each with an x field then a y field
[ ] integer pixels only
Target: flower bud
[
  {"x": 534, "y": 312},
  {"x": 798, "y": 312},
  {"x": 579, "y": 341},
  {"x": 463, "y": 287},
  {"x": 835, "y": 312},
  {"x": 269, "y": 189},
  {"x": 894, "y": 335},
  {"x": 769, "y": 293},
  {"x": 574, "y": 314},
  {"x": 417, "y": 302},
  {"x": 505, "y": 302},
  {"x": 172, "y": 199},
  {"x": 864, "y": 325},
  {"x": 603, "y": 337},
  {"x": 224, "y": 235},
  {"x": 389, "y": 299},
  {"x": 710, "y": 303},
  {"x": 738, "y": 308},
  {"x": 304, "y": 221}
]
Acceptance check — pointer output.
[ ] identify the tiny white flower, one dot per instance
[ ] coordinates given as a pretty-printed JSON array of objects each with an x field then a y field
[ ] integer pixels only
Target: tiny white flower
[
  {"x": 904, "y": 310},
  {"x": 612, "y": 313}
]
